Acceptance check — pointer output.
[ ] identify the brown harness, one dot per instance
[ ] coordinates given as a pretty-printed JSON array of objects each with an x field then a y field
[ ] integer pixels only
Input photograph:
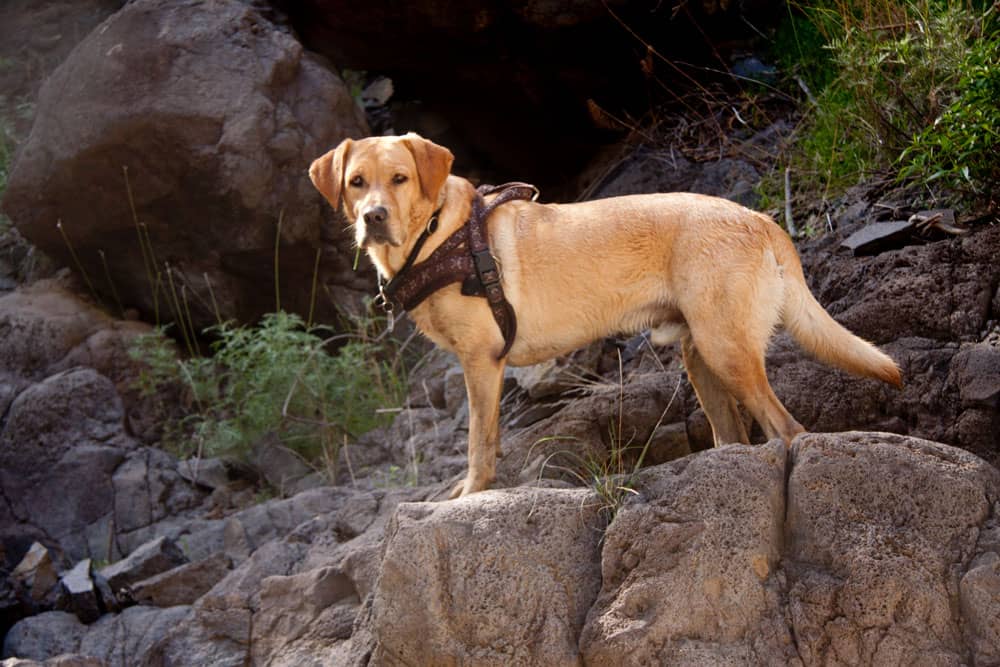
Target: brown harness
[{"x": 463, "y": 257}]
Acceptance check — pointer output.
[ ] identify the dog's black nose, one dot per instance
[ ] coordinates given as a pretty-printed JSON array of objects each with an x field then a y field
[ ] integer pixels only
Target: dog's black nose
[{"x": 376, "y": 215}]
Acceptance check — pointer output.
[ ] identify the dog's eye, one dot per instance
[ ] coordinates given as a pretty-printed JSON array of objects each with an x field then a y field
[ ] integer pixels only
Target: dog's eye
[
  {"x": 357, "y": 182},
  {"x": 399, "y": 179}
]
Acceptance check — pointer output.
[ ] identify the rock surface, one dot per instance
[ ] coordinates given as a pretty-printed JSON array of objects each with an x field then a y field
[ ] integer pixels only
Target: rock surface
[
  {"x": 216, "y": 135},
  {"x": 858, "y": 548},
  {"x": 500, "y": 578}
]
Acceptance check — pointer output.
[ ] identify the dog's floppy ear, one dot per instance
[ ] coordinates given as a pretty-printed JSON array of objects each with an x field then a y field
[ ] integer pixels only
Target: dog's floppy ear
[
  {"x": 433, "y": 164},
  {"x": 327, "y": 172}
]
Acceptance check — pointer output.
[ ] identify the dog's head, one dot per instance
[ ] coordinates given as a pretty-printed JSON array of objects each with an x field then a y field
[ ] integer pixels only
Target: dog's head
[{"x": 389, "y": 186}]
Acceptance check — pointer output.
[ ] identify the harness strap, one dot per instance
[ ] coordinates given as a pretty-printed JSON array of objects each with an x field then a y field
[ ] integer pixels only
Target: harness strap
[{"x": 463, "y": 257}]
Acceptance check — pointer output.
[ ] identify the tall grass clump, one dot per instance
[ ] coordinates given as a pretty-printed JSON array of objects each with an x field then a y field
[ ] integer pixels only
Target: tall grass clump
[
  {"x": 905, "y": 89},
  {"x": 276, "y": 377}
]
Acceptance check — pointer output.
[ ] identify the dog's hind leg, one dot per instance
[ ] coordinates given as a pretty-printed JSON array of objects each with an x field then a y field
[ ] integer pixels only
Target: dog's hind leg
[
  {"x": 484, "y": 384},
  {"x": 731, "y": 332},
  {"x": 739, "y": 362},
  {"x": 719, "y": 405}
]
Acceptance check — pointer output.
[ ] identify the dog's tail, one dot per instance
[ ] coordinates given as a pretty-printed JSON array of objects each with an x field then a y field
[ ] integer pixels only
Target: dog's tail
[{"x": 822, "y": 336}]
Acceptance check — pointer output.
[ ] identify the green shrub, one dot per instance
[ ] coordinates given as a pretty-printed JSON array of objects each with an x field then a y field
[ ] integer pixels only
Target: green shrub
[
  {"x": 914, "y": 94},
  {"x": 276, "y": 377},
  {"x": 962, "y": 146}
]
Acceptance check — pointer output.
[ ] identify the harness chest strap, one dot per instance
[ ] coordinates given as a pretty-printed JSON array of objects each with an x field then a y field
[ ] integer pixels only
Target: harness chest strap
[{"x": 463, "y": 257}]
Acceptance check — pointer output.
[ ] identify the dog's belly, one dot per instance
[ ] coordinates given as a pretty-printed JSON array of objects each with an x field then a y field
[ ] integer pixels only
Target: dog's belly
[{"x": 572, "y": 324}]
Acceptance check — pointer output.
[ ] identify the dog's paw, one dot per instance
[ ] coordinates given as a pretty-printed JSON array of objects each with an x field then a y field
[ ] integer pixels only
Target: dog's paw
[{"x": 468, "y": 485}]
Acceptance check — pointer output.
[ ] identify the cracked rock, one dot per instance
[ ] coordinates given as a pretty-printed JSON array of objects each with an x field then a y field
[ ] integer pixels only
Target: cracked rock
[{"x": 151, "y": 558}]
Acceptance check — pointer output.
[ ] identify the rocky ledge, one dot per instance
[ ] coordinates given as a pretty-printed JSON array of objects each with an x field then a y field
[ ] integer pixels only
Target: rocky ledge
[{"x": 857, "y": 548}]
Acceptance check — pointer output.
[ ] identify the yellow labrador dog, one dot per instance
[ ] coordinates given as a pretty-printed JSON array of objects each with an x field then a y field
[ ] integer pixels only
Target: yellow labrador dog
[{"x": 702, "y": 270}]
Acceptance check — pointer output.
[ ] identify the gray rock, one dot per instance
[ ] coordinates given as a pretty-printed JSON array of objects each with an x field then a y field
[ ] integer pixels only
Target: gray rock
[
  {"x": 78, "y": 594},
  {"x": 219, "y": 628},
  {"x": 500, "y": 577},
  {"x": 879, "y": 236},
  {"x": 212, "y": 473},
  {"x": 152, "y": 558},
  {"x": 125, "y": 639},
  {"x": 976, "y": 372},
  {"x": 280, "y": 466},
  {"x": 59, "y": 446},
  {"x": 65, "y": 660},
  {"x": 978, "y": 594},
  {"x": 301, "y": 615},
  {"x": 182, "y": 585},
  {"x": 45, "y": 635}
]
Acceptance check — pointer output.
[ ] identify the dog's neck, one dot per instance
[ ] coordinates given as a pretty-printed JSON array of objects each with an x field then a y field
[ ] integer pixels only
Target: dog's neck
[{"x": 455, "y": 203}]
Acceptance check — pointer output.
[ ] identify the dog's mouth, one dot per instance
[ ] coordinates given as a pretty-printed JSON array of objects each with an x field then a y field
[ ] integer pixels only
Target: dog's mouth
[{"x": 374, "y": 236}]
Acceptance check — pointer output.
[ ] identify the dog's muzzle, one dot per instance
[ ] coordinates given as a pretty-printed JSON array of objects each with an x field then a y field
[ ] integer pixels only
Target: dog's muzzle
[{"x": 376, "y": 231}]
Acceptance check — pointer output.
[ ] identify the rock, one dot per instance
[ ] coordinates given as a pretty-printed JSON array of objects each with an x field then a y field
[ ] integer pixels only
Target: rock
[
  {"x": 65, "y": 660},
  {"x": 152, "y": 558},
  {"x": 36, "y": 574},
  {"x": 45, "y": 328},
  {"x": 687, "y": 565},
  {"x": 218, "y": 630},
  {"x": 976, "y": 372},
  {"x": 78, "y": 594},
  {"x": 123, "y": 640},
  {"x": 878, "y": 236},
  {"x": 587, "y": 431},
  {"x": 59, "y": 446},
  {"x": 454, "y": 389},
  {"x": 500, "y": 577},
  {"x": 43, "y": 636},
  {"x": 182, "y": 585},
  {"x": 978, "y": 593},
  {"x": 210, "y": 473},
  {"x": 280, "y": 466},
  {"x": 880, "y": 531},
  {"x": 149, "y": 488},
  {"x": 234, "y": 110},
  {"x": 302, "y": 615}
]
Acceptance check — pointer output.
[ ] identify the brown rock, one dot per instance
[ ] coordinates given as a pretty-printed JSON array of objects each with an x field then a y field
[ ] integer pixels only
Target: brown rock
[
  {"x": 880, "y": 530},
  {"x": 216, "y": 112},
  {"x": 687, "y": 565},
  {"x": 182, "y": 585},
  {"x": 498, "y": 578}
]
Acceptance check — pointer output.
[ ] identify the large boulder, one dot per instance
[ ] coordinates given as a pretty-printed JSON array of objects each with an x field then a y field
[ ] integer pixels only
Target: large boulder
[
  {"x": 499, "y": 578},
  {"x": 857, "y": 548},
  {"x": 891, "y": 552},
  {"x": 215, "y": 112},
  {"x": 59, "y": 447},
  {"x": 688, "y": 563}
]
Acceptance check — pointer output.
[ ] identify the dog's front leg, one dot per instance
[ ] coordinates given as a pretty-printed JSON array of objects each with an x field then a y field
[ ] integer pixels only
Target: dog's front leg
[{"x": 484, "y": 383}]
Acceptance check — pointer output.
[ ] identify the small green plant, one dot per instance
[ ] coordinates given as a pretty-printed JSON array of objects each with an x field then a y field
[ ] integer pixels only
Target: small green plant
[
  {"x": 612, "y": 475},
  {"x": 276, "y": 377}
]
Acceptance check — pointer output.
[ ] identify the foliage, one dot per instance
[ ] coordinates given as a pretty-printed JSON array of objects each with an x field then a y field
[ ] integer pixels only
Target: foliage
[
  {"x": 908, "y": 90},
  {"x": 962, "y": 146},
  {"x": 276, "y": 377}
]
